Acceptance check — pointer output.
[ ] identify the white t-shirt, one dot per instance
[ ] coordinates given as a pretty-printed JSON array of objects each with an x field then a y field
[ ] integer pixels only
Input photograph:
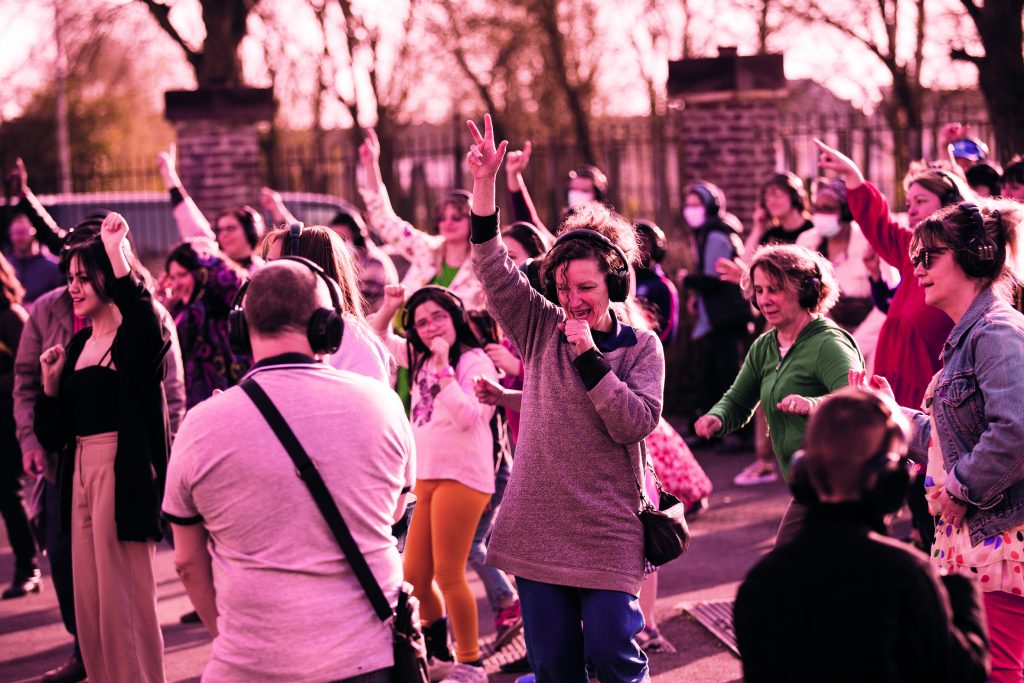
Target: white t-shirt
[
  {"x": 290, "y": 608},
  {"x": 363, "y": 353}
]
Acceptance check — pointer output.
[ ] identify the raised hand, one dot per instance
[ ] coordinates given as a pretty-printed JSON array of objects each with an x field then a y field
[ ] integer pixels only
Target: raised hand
[
  {"x": 483, "y": 157},
  {"x": 270, "y": 199},
  {"x": 832, "y": 159},
  {"x": 113, "y": 229},
  {"x": 17, "y": 179},
  {"x": 503, "y": 359},
  {"x": 707, "y": 426},
  {"x": 369, "y": 160},
  {"x": 951, "y": 132},
  {"x": 730, "y": 270},
  {"x": 165, "y": 165},
  {"x": 51, "y": 363},
  {"x": 517, "y": 160}
]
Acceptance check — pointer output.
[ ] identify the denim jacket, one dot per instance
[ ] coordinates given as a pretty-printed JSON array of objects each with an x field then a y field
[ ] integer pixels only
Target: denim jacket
[{"x": 978, "y": 407}]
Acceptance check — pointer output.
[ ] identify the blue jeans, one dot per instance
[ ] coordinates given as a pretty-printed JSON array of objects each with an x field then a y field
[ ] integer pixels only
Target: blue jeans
[
  {"x": 558, "y": 644},
  {"x": 500, "y": 594}
]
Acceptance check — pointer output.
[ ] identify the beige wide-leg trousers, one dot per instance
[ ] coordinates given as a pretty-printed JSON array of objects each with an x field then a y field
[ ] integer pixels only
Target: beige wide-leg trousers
[{"x": 115, "y": 584}]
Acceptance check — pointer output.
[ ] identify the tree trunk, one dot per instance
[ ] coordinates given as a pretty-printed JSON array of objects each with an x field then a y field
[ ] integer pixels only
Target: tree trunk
[{"x": 225, "y": 29}]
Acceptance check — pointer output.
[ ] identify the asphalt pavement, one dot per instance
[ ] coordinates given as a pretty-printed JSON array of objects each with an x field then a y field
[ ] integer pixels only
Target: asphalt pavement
[{"x": 726, "y": 541}]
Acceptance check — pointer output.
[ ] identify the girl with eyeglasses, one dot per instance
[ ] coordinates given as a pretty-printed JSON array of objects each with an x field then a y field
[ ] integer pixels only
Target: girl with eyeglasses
[{"x": 454, "y": 468}]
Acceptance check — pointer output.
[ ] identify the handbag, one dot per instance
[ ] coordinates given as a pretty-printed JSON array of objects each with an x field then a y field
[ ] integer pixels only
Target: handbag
[
  {"x": 666, "y": 535},
  {"x": 407, "y": 636}
]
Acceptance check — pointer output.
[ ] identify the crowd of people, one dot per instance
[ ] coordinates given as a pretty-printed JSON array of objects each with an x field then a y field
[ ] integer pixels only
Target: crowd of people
[{"x": 419, "y": 377}]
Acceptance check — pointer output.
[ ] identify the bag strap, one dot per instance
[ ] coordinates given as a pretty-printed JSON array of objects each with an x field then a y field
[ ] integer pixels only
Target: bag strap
[
  {"x": 645, "y": 501},
  {"x": 309, "y": 474}
]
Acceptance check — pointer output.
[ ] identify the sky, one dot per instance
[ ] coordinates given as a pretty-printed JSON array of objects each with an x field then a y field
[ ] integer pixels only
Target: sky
[{"x": 846, "y": 67}]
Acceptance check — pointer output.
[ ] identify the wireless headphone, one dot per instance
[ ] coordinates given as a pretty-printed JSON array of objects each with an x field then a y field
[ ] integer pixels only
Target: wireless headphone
[
  {"x": 884, "y": 477},
  {"x": 808, "y": 294},
  {"x": 659, "y": 244},
  {"x": 325, "y": 328},
  {"x": 951, "y": 195},
  {"x": 533, "y": 234},
  {"x": 617, "y": 279},
  {"x": 978, "y": 258},
  {"x": 792, "y": 185},
  {"x": 418, "y": 297},
  {"x": 294, "y": 238}
]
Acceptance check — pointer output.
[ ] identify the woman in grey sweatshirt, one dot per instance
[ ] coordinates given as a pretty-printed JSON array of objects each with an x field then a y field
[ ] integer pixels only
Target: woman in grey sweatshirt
[{"x": 568, "y": 526}]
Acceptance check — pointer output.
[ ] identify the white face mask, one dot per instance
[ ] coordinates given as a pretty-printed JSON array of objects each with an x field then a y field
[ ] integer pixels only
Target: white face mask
[
  {"x": 694, "y": 216},
  {"x": 578, "y": 198},
  {"x": 827, "y": 224}
]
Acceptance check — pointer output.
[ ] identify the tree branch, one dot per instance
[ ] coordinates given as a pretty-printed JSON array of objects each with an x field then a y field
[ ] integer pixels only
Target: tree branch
[
  {"x": 162, "y": 14},
  {"x": 960, "y": 54}
]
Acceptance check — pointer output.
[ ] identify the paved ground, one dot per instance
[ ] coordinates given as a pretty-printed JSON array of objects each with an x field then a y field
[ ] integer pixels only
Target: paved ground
[{"x": 727, "y": 540}]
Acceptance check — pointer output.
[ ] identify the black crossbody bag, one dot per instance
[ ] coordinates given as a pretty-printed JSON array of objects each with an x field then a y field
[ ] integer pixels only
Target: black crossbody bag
[
  {"x": 409, "y": 647},
  {"x": 666, "y": 535}
]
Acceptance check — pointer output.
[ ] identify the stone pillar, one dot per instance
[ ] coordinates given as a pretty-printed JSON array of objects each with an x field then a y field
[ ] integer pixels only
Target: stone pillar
[
  {"x": 732, "y": 142},
  {"x": 218, "y": 136}
]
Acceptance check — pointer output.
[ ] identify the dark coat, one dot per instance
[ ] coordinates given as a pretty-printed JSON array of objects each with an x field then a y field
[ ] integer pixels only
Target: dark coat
[{"x": 142, "y": 424}]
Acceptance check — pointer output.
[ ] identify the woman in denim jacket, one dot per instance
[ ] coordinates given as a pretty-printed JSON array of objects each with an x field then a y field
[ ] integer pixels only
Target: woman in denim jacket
[{"x": 971, "y": 431}]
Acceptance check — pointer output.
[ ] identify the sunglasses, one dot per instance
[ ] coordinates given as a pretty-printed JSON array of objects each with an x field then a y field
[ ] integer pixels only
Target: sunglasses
[{"x": 924, "y": 256}]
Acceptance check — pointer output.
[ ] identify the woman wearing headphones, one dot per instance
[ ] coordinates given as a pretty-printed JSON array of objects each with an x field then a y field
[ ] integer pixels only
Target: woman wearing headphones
[
  {"x": 568, "y": 527},
  {"x": 789, "y": 368},
  {"x": 454, "y": 468},
  {"x": 910, "y": 341},
  {"x": 361, "y": 351},
  {"x": 972, "y": 429}
]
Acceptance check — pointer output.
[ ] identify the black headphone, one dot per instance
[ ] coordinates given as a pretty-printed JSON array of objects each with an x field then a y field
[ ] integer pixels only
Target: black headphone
[
  {"x": 617, "y": 280},
  {"x": 808, "y": 294},
  {"x": 534, "y": 233},
  {"x": 978, "y": 258},
  {"x": 294, "y": 238},
  {"x": 325, "y": 328},
  {"x": 417, "y": 298},
  {"x": 659, "y": 244},
  {"x": 794, "y": 187},
  {"x": 952, "y": 195},
  {"x": 884, "y": 477},
  {"x": 595, "y": 175}
]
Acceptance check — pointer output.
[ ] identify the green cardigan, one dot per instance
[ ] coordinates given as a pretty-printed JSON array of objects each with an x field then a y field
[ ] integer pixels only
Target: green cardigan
[{"x": 816, "y": 364}]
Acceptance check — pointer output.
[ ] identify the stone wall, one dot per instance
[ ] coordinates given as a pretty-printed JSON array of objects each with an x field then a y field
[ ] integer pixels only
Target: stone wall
[{"x": 218, "y": 136}]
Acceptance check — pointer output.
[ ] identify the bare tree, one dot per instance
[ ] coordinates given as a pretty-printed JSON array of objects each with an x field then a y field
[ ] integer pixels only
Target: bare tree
[
  {"x": 218, "y": 63},
  {"x": 859, "y": 20},
  {"x": 1000, "y": 68}
]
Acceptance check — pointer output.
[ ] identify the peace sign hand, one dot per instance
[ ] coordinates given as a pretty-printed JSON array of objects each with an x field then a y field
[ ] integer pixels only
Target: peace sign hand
[
  {"x": 483, "y": 158},
  {"x": 832, "y": 159}
]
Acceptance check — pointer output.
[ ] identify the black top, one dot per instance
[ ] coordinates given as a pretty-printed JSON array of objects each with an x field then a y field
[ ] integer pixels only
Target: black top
[
  {"x": 91, "y": 398},
  {"x": 140, "y": 413},
  {"x": 842, "y": 603},
  {"x": 778, "y": 235}
]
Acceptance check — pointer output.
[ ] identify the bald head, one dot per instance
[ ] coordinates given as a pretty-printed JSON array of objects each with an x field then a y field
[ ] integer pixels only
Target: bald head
[
  {"x": 282, "y": 297},
  {"x": 849, "y": 428}
]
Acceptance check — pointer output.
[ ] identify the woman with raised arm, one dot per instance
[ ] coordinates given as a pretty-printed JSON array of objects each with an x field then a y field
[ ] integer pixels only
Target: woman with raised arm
[
  {"x": 103, "y": 409},
  {"x": 568, "y": 526},
  {"x": 441, "y": 259}
]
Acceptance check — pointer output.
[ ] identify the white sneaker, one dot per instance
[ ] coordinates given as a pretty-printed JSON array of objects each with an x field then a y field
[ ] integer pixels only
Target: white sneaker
[
  {"x": 438, "y": 668},
  {"x": 756, "y": 473},
  {"x": 466, "y": 673}
]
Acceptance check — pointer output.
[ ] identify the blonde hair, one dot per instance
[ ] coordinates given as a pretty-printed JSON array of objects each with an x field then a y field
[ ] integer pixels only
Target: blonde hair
[{"x": 795, "y": 268}]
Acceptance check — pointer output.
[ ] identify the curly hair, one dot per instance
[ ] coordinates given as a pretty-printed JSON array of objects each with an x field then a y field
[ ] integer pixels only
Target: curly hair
[
  {"x": 601, "y": 220},
  {"x": 794, "y": 267}
]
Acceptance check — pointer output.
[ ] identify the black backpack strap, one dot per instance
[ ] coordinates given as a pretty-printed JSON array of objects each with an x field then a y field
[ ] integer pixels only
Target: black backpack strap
[{"x": 309, "y": 474}]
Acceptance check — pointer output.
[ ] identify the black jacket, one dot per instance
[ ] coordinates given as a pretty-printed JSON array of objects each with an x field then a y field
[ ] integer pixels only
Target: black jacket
[
  {"x": 142, "y": 425},
  {"x": 724, "y": 301},
  {"x": 841, "y": 603}
]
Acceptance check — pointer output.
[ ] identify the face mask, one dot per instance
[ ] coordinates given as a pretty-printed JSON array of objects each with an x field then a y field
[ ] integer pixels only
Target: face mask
[
  {"x": 694, "y": 216},
  {"x": 827, "y": 224},
  {"x": 579, "y": 198}
]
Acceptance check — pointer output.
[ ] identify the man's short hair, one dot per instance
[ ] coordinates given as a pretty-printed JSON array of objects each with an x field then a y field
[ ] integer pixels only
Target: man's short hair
[
  {"x": 281, "y": 297},
  {"x": 848, "y": 429}
]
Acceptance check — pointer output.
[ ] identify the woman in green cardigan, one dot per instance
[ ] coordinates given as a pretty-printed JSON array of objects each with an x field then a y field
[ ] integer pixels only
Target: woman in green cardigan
[{"x": 789, "y": 368}]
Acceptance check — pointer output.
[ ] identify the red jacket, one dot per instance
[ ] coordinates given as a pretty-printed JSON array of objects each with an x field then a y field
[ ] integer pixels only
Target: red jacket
[{"x": 910, "y": 341}]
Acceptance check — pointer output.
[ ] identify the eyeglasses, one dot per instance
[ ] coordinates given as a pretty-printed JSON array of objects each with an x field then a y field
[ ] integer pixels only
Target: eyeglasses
[
  {"x": 438, "y": 319},
  {"x": 923, "y": 257}
]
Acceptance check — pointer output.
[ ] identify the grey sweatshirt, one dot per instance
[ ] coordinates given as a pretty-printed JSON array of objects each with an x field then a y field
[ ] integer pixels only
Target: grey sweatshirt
[{"x": 569, "y": 515}]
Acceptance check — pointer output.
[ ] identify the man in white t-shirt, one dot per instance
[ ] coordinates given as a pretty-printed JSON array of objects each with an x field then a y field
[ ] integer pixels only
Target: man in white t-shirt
[{"x": 257, "y": 558}]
